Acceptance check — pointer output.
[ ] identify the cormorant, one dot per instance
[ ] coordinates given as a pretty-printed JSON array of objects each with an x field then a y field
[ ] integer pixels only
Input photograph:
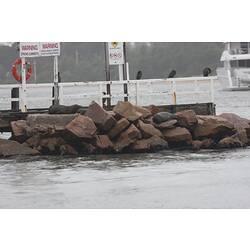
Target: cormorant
[
  {"x": 206, "y": 71},
  {"x": 139, "y": 75},
  {"x": 172, "y": 74}
]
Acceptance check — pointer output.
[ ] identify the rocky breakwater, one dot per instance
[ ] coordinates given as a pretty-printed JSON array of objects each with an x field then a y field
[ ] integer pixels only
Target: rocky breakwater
[{"x": 128, "y": 128}]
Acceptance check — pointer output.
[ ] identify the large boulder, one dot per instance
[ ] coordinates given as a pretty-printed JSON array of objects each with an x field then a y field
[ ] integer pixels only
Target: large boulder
[
  {"x": 187, "y": 119},
  {"x": 148, "y": 130},
  {"x": 178, "y": 137},
  {"x": 62, "y": 109},
  {"x": 213, "y": 127},
  {"x": 144, "y": 111},
  {"x": 127, "y": 110},
  {"x": 13, "y": 148},
  {"x": 103, "y": 142},
  {"x": 48, "y": 121},
  {"x": 120, "y": 126},
  {"x": 100, "y": 117},
  {"x": 241, "y": 125},
  {"x": 19, "y": 130},
  {"x": 154, "y": 143},
  {"x": 167, "y": 124},
  {"x": 229, "y": 142},
  {"x": 127, "y": 137},
  {"x": 82, "y": 127},
  {"x": 237, "y": 121},
  {"x": 163, "y": 117}
]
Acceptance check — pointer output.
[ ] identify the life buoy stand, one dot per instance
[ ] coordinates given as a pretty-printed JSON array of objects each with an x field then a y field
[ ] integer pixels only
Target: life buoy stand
[{"x": 15, "y": 73}]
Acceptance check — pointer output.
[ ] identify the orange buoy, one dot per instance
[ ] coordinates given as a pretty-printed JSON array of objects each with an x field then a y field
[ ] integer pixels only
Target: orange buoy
[{"x": 15, "y": 73}]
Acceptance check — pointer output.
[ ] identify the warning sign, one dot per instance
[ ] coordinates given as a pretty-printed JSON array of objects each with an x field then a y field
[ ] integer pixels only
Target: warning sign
[
  {"x": 116, "y": 55},
  {"x": 31, "y": 49}
]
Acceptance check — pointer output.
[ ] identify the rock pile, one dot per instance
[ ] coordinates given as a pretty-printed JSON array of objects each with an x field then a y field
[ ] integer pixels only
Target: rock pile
[{"x": 128, "y": 128}]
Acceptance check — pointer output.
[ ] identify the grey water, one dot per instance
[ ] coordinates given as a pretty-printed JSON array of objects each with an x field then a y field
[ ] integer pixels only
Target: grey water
[{"x": 168, "y": 179}]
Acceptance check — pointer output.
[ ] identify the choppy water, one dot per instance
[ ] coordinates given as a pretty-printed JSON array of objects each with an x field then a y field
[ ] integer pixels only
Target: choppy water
[{"x": 205, "y": 179}]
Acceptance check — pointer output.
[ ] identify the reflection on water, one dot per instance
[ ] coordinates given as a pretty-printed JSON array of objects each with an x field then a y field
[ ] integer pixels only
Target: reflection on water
[{"x": 169, "y": 179}]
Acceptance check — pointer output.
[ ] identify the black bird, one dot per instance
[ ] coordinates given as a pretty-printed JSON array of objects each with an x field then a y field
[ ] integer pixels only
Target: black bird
[
  {"x": 139, "y": 75},
  {"x": 206, "y": 71},
  {"x": 172, "y": 74}
]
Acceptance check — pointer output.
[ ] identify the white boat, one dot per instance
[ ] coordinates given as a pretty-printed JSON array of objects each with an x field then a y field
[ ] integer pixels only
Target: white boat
[{"x": 235, "y": 73}]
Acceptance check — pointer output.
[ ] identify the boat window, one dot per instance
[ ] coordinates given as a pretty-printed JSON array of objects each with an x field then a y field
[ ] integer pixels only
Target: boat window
[{"x": 234, "y": 64}]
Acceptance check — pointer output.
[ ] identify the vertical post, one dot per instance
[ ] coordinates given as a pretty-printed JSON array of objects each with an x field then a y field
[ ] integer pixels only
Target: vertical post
[
  {"x": 127, "y": 70},
  {"x": 15, "y": 94},
  {"x": 23, "y": 87},
  {"x": 174, "y": 92},
  {"x": 123, "y": 69},
  {"x": 107, "y": 72},
  {"x": 137, "y": 93},
  {"x": 212, "y": 90},
  {"x": 35, "y": 78},
  {"x": 56, "y": 86}
]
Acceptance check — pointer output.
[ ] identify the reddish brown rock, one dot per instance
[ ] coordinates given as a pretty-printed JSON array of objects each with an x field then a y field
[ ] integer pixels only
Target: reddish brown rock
[
  {"x": 148, "y": 130},
  {"x": 187, "y": 118},
  {"x": 196, "y": 145},
  {"x": 207, "y": 143},
  {"x": 163, "y": 117},
  {"x": 19, "y": 130},
  {"x": 67, "y": 149},
  {"x": 103, "y": 142},
  {"x": 229, "y": 142},
  {"x": 241, "y": 125},
  {"x": 13, "y": 148},
  {"x": 237, "y": 121},
  {"x": 153, "y": 109},
  {"x": 154, "y": 143},
  {"x": 120, "y": 126},
  {"x": 167, "y": 124},
  {"x": 213, "y": 127},
  {"x": 177, "y": 136},
  {"x": 82, "y": 127},
  {"x": 58, "y": 122},
  {"x": 51, "y": 145},
  {"x": 127, "y": 110},
  {"x": 144, "y": 111},
  {"x": 100, "y": 117},
  {"x": 127, "y": 137}
]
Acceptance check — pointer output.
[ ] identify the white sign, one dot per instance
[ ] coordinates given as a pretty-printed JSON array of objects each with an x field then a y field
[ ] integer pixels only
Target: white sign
[
  {"x": 116, "y": 55},
  {"x": 50, "y": 49},
  {"x": 39, "y": 49},
  {"x": 29, "y": 49}
]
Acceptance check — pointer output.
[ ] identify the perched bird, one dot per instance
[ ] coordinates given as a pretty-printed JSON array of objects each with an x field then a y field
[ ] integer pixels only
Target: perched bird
[
  {"x": 172, "y": 74},
  {"x": 206, "y": 71},
  {"x": 139, "y": 75}
]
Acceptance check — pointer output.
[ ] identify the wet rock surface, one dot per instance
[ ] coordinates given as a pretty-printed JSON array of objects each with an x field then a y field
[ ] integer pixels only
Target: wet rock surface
[{"x": 127, "y": 128}]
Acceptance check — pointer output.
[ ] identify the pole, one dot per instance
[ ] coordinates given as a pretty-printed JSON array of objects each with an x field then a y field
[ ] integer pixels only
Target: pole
[
  {"x": 35, "y": 72},
  {"x": 124, "y": 71},
  {"x": 56, "y": 86},
  {"x": 107, "y": 73},
  {"x": 23, "y": 87}
]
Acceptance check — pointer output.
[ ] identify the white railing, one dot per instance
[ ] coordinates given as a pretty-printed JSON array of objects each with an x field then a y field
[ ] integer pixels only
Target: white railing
[{"x": 140, "y": 92}]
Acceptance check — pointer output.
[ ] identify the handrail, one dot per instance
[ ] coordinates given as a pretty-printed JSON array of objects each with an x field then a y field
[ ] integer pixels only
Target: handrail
[{"x": 136, "y": 94}]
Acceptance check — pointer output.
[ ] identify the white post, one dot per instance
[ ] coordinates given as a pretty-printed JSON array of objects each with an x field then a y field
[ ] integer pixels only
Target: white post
[
  {"x": 23, "y": 87},
  {"x": 212, "y": 90},
  {"x": 121, "y": 77},
  {"x": 137, "y": 93},
  {"x": 174, "y": 92},
  {"x": 127, "y": 69},
  {"x": 56, "y": 87}
]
